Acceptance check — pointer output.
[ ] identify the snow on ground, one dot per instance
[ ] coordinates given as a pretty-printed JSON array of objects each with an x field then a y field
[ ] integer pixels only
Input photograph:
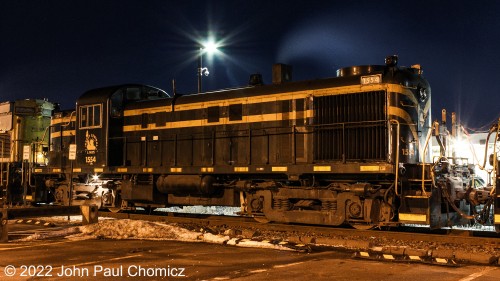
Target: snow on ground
[
  {"x": 476, "y": 227},
  {"x": 52, "y": 234},
  {"x": 137, "y": 229},
  {"x": 62, "y": 220},
  {"x": 212, "y": 210}
]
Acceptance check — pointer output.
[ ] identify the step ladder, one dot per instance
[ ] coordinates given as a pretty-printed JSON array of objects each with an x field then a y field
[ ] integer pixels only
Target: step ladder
[{"x": 4, "y": 180}]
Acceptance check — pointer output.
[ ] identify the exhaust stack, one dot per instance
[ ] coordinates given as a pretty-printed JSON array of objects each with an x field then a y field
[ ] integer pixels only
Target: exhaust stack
[{"x": 282, "y": 73}]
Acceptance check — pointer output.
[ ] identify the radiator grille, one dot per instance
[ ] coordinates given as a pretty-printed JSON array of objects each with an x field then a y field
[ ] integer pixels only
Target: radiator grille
[{"x": 350, "y": 127}]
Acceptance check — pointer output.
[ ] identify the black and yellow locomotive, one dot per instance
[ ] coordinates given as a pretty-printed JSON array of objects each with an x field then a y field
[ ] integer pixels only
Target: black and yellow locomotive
[{"x": 349, "y": 149}]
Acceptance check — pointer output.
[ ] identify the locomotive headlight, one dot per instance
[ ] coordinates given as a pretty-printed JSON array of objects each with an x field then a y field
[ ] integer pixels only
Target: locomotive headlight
[
  {"x": 95, "y": 177},
  {"x": 39, "y": 157},
  {"x": 461, "y": 148}
]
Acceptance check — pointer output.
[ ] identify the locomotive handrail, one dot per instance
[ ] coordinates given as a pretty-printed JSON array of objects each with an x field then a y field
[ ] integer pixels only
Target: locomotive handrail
[
  {"x": 428, "y": 138},
  {"x": 345, "y": 123},
  {"x": 495, "y": 162},
  {"x": 2, "y": 165},
  {"x": 397, "y": 155}
]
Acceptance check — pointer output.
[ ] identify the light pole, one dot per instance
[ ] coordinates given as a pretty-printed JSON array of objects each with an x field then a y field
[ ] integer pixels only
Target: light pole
[
  {"x": 210, "y": 48},
  {"x": 201, "y": 70}
]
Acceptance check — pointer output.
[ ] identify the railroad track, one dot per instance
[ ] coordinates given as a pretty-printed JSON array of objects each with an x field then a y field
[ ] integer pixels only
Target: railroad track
[
  {"x": 443, "y": 246},
  {"x": 408, "y": 244}
]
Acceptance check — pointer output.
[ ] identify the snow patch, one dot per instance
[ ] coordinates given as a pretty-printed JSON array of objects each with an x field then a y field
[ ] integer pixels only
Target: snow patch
[
  {"x": 217, "y": 239},
  {"x": 52, "y": 234},
  {"x": 137, "y": 229},
  {"x": 257, "y": 244},
  {"x": 211, "y": 210}
]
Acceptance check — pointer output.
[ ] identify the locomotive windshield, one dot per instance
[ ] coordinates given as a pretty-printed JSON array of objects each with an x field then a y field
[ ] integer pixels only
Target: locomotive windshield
[
  {"x": 131, "y": 94},
  {"x": 144, "y": 93}
]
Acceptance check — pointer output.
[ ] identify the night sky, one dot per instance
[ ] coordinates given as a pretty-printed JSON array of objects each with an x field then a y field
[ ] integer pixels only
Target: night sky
[{"x": 59, "y": 49}]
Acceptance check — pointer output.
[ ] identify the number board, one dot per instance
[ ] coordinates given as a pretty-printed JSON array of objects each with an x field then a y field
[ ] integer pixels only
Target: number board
[{"x": 371, "y": 79}]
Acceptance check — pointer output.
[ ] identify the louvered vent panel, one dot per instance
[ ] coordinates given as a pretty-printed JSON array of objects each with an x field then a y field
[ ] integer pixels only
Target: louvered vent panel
[
  {"x": 350, "y": 127},
  {"x": 4, "y": 146}
]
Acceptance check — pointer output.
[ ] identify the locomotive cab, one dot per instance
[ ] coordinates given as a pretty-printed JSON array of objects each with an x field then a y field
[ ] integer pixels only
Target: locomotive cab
[{"x": 100, "y": 120}]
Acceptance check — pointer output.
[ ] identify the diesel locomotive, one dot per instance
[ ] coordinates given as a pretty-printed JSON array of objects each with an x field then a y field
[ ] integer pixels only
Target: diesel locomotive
[
  {"x": 23, "y": 146},
  {"x": 352, "y": 149}
]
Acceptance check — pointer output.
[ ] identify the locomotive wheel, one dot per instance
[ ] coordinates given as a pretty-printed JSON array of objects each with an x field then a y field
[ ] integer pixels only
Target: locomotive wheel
[
  {"x": 261, "y": 219},
  {"x": 363, "y": 226},
  {"x": 114, "y": 210}
]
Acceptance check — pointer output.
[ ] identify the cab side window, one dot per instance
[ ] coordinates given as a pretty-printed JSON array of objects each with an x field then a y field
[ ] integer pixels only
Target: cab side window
[{"x": 90, "y": 116}]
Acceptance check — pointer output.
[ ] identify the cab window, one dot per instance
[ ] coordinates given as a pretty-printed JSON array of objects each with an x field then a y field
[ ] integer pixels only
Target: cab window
[
  {"x": 90, "y": 116},
  {"x": 133, "y": 94}
]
